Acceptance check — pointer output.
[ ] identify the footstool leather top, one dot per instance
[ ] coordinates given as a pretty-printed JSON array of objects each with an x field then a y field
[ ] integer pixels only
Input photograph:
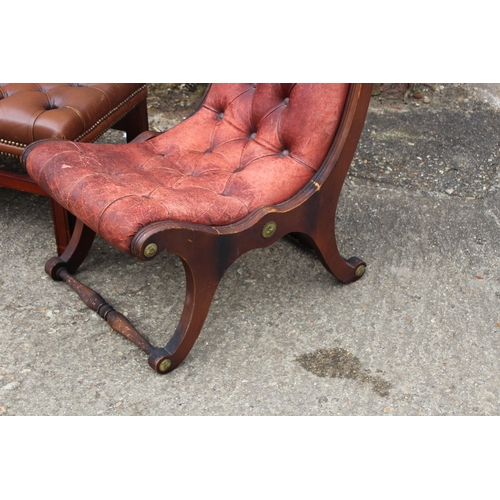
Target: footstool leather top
[{"x": 73, "y": 111}]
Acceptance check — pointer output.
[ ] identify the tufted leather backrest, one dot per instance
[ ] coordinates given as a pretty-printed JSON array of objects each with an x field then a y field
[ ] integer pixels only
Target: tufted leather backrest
[
  {"x": 257, "y": 143},
  {"x": 291, "y": 119},
  {"x": 294, "y": 119}
]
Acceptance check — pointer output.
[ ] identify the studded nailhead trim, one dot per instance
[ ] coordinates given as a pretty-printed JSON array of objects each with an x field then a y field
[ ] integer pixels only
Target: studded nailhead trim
[
  {"x": 114, "y": 110},
  {"x": 12, "y": 143},
  {"x": 11, "y": 155}
]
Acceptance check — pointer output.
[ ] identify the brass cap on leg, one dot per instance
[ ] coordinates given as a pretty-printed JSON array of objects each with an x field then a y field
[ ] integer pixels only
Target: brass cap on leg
[
  {"x": 360, "y": 270},
  {"x": 150, "y": 250},
  {"x": 164, "y": 365}
]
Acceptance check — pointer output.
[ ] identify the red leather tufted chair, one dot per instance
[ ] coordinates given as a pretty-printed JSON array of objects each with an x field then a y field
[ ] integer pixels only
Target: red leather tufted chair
[{"x": 253, "y": 163}]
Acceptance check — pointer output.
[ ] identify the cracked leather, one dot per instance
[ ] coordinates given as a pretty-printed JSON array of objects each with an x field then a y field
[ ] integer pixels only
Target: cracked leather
[{"x": 248, "y": 145}]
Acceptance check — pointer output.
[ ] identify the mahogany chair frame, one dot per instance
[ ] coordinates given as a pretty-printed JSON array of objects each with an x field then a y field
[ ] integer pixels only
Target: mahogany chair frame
[{"x": 208, "y": 251}]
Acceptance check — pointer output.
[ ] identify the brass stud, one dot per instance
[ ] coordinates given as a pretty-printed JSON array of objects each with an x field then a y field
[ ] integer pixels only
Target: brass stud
[
  {"x": 360, "y": 270},
  {"x": 164, "y": 365},
  {"x": 269, "y": 229},
  {"x": 150, "y": 250}
]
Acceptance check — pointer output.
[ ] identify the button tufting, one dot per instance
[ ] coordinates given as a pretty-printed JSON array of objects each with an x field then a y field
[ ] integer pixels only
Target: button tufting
[{"x": 189, "y": 188}]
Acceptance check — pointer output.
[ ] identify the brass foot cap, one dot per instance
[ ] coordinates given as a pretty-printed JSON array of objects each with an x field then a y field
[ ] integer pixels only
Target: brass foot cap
[
  {"x": 164, "y": 365},
  {"x": 159, "y": 361},
  {"x": 360, "y": 270}
]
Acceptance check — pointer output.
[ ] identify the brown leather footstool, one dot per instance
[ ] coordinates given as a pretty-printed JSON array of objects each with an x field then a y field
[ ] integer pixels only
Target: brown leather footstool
[{"x": 74, "y": 111}]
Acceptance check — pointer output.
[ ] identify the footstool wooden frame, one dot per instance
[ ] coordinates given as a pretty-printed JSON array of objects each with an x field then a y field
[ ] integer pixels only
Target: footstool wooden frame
[{"x": 74, "y": 111}]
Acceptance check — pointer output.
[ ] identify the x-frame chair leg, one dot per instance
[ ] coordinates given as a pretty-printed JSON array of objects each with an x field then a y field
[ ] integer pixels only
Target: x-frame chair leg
[
  {"x": 202, "y": 280},
  {"x": 206, "y": 254}
]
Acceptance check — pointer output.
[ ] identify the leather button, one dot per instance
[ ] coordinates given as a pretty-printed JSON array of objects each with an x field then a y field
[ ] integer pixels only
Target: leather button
[
  {"x": 285, "y": 152},
  {"x": 253, "y": 136},
  {"x": 208, "y": 151},
  {"x": 286, "y": 101},
  {"x": 221, "y": 116}
]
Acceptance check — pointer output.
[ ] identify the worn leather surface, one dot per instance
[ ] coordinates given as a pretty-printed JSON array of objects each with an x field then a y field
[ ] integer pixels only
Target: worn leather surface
[
  {"x": 33, "y": 111},
  {"x": 247, "y": 146}
]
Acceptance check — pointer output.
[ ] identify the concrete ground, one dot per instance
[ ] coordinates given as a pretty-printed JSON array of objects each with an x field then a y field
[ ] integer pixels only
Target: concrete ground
[{"x": 419, "y": 334}]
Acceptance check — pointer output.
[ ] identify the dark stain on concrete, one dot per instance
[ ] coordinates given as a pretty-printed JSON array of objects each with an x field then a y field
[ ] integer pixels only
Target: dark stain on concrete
[{"x": 339, "y": 363}]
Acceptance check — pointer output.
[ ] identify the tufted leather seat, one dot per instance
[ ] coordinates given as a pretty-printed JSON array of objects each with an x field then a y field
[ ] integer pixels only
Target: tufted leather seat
[
  {"x": 244, "y": 148},
  {"x": 73, "y": 111}
]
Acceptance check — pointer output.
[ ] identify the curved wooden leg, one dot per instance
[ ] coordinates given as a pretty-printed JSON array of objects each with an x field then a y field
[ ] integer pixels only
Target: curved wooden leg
[
  {"x": 202, "y": 280},
  {"x": 75, "y": 253},
  {"x": 62, "y": 226},
  {"x": 325, "y": 244},
  {"x": 201, "y": 284}
]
